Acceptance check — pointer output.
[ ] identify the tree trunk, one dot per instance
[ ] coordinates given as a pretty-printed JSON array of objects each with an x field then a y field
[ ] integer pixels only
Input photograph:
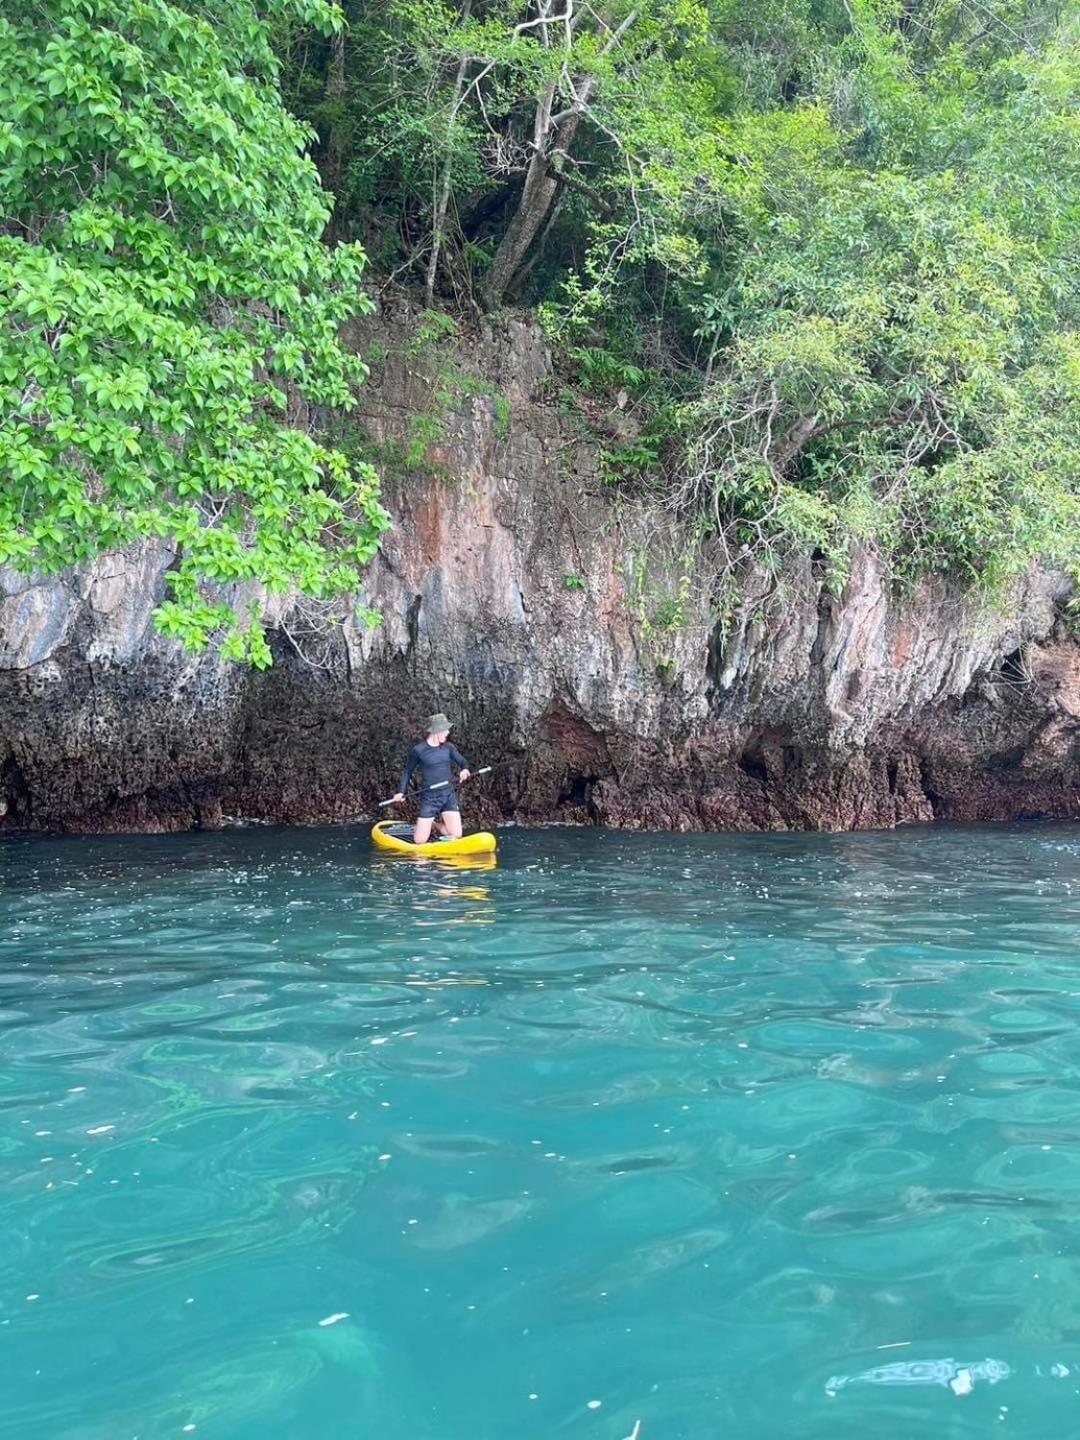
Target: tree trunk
[
  {"x": 542, "y": 185},
  {"x": 336, "y": 82},
  {"x": 335, "y": 149},
  {"x": 442, "y": 194},
  {"x": 552, "y": 133},
  {"x": 790, "y": 447}
]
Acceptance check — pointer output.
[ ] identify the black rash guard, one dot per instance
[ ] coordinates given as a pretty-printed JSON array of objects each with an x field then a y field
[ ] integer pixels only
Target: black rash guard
[{"x": 433, "y": 762}]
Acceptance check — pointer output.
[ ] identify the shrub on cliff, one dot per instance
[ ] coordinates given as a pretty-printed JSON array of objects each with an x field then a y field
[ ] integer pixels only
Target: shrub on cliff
[{"x": 169, "y": 313}]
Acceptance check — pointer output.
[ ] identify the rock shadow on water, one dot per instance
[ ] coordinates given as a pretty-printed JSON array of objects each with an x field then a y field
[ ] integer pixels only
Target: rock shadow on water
[
  {"x": 917, "y": 1202},
  {"x": 651, "y": 1262},
  {"x": 462, "y": 1220}
]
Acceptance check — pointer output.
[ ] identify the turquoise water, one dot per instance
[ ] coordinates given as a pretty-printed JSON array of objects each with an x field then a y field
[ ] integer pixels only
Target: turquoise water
[{"x": 680, "y": 1133}]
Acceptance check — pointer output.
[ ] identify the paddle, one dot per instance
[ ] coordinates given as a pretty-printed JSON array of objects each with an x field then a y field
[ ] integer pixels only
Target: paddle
[{"x": 441, "y": 784}]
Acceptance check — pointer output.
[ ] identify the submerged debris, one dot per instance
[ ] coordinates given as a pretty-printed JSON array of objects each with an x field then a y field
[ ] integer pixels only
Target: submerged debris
[{"x": 948, "y": 1374}]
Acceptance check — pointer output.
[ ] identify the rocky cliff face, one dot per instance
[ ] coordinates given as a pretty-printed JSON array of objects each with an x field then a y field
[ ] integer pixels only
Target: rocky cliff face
[{"x": 573, "y": 637}]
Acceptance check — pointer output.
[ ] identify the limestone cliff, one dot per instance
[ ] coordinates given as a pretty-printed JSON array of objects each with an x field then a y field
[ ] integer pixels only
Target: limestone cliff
[{"x": 573, "y": 636}]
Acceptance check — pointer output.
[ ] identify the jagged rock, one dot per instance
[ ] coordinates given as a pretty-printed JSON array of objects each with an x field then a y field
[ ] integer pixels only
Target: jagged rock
[{"x": 574, "y": 637}]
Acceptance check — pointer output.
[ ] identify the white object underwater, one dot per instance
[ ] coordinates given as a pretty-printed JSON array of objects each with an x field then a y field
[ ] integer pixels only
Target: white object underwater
[{"x": 949, "y": 1374}]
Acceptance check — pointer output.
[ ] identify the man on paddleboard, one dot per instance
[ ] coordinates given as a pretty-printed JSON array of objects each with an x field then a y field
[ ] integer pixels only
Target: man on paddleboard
[{"x": 438, "y": 795}]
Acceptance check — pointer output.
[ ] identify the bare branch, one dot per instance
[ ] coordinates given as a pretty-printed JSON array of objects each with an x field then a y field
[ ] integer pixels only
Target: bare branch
[{"x": 545, "y": 19}]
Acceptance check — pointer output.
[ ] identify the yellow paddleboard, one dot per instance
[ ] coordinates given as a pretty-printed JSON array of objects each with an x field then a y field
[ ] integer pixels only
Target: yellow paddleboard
[{"x": 391, "y": 836}]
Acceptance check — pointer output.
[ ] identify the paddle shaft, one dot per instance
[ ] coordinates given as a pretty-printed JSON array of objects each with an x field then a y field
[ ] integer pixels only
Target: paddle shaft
[{"x": 439, "y": 785}]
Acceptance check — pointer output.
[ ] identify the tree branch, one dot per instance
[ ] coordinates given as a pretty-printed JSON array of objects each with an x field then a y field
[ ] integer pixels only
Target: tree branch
[
  {"x": 571, "y": 182},
  {"x": 442, "y": 197}
]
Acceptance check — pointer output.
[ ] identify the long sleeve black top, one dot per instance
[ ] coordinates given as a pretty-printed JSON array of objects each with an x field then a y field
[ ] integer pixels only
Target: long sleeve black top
[{"x": 433, "y": 762}]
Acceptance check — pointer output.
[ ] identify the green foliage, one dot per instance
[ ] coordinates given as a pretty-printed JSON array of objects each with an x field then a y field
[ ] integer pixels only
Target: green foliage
[
  {"x": 643, "y": 458},
  {"x": 902, "y": 367},
  {"x": 503, "y": 417},
  {"x": 435, "y": 327},
  {"x": 659, "y": 591},
  {"x": 169, "y": 314},
  {"x": 425, "y": 430},
  {"x": 384, "y": 129},
  {"x": 602, "y": 371},
  {"x": 574, "y": 582},
  {"x": 828, "y": 249}
]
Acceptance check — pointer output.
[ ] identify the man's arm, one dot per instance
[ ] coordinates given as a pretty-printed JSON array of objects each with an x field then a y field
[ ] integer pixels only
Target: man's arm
[
  {"x": 460, "y": 761},
  {"x": 410, "y": 766}
]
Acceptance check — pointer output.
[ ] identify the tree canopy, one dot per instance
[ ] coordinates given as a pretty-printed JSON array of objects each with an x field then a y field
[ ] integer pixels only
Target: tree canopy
[
  {"x": 169, "y": 311},
  {"x": 829, "y": 247}
]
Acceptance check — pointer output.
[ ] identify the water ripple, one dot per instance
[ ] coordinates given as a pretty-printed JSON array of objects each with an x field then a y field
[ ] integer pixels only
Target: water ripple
[{"x": 696, "y": 1127}]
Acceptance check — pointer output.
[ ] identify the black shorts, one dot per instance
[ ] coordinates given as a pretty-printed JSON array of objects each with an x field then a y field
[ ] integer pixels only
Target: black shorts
[{"x": 435, "y": 802}]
